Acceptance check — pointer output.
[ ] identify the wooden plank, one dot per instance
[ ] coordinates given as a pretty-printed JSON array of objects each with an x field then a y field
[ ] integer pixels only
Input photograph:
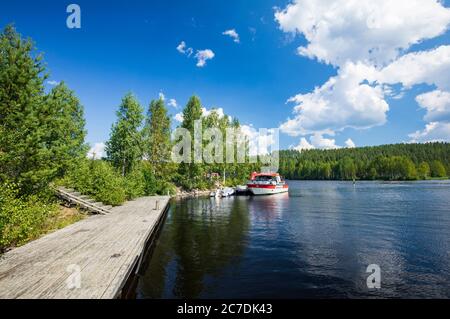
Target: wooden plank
[
  {"x": 104, "y": 247},
  {"x": 80, "y": 200}
]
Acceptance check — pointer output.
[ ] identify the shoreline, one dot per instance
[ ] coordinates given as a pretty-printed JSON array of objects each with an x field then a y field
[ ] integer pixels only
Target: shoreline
[{"x": 372, "y": 180}]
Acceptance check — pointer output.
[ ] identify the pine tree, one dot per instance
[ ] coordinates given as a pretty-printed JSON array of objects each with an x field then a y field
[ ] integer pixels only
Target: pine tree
[
  {"x": 191, "y": 113},
  {"x": 66, "y": 132},
  {"x": 24, "y": 156},
  {"x": 124, "y": 148},
  {"x": 156, "y": 138},
  {"x": 191, "y": 174}
]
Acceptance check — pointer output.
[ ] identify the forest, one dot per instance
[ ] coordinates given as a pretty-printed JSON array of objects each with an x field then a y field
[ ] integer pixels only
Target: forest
[
  {"x": 385, "y": 162},
  {"x": 42, "y": 146}
]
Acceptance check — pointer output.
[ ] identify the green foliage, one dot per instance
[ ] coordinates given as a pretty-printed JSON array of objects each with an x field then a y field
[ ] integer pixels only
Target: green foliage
[
  {"x": 347, "y": 169},
  {"x": 98, "y": 179},
  {"x": 150, "y": 181},
  {"x": 42, "y": 135},
  {"x": 423, "y": 170},
  {"x": 198, "y": 175},
  {"x": 159, "y": 169},
  {"x": 124, "y": 148},
  {"x": 41, "y": 138},
  {"x": 21, "y": 217},
  {"x": 191, "y": 113},
  {"x": 191, "y": 175},
  {"x": 395, "y": 168},
  {"x": 135, "y": 183},
  {"x": 156, "y": 136},
  {"x": 437, "y": 169},
  {"x": 23, "y": 152},
  {"x": 153, "y": 185},
  {"x": 386, "y": 162},
  {"x": 67, "y": 128}
]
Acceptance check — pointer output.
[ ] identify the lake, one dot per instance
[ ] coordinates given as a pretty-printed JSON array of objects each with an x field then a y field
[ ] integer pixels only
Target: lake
[{"x": 315, "y": 242}]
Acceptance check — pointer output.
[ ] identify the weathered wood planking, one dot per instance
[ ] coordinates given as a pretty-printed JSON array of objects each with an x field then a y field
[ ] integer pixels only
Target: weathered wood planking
[
  {"x": 106, "y": 249},
  {"x": 85, "y": 203}
]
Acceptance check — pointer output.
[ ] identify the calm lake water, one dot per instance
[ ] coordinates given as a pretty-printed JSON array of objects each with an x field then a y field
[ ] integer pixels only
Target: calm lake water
[{"x": 315, "y": 242}]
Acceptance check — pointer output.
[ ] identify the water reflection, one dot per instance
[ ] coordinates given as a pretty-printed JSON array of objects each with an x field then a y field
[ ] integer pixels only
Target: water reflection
[
  {"x": 316, "y": 241},
  {"x": 267, "y": 209},
  {"x": 201, "y": 238}
]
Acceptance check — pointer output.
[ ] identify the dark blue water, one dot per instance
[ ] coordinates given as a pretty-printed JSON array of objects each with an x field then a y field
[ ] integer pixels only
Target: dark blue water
[{"x": 315, "y": 242}]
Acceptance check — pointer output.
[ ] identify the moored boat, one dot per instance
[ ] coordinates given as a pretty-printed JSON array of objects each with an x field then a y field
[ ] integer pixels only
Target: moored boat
[
  {"x": 227, "y": 191},
  {"x": 267, "y": 184},
  {"x": 242, "y": 190}
]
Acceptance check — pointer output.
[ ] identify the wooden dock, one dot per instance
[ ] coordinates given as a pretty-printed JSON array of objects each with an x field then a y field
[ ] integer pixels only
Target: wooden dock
[{"x": 94, "y": 258}]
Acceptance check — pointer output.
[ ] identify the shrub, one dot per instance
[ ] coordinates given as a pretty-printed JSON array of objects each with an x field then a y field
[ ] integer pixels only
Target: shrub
[
  {"x": 166, "y": 188},
  {"x": 437, "y": 169},
  {"x": 135, "y": 183},
  {"x": 21, "y": 218},
  {"x": 98, "y": 179},
  {"x": 149, "y": 181},
  {"x": 154, "y": 186}
]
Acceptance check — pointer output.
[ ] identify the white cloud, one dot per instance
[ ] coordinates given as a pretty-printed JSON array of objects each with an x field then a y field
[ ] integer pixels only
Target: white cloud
[
  {"x": 260, "y": 142},
  {"x": 433, "y": 132},
  {"x": 366, "y": 41},
  {"x": 349, "y": 143},
  {"x": 179, "y": 117},
  {"x": 350, "y": 99},
  {"x": 202, "y": 56},
  {"x": 182, "y": 47},
  {"x": 363, "y": 30},
  {"x": 173, "y": 103},
  {"x": 318, "y": 141},
  {"x": 303, "y": 145},
  {"x": 97, "y": 151},
  {"x": 53, "y": 83},
  {"x": 431, "y": 67},
  {"x": 219, "y": 112},
  {"x": 184, "y": 50},
  {"x": 205, "y": 112},
  {"x": 233, "y": 34},
  {"x": 437, "y": 104}
]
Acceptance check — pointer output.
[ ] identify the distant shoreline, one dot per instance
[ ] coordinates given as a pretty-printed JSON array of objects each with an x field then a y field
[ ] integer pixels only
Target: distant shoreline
[{"x": 372, "y": 180}]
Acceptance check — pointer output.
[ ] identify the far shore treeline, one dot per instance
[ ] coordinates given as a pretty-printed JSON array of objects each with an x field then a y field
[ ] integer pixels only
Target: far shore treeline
[
  {"x": 42, "y": 146},
  {"x": 385, "y": 162}
]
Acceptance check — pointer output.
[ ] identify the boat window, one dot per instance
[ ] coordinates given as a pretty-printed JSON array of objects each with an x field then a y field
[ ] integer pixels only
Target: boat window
[{"x": 263, "y": 178}]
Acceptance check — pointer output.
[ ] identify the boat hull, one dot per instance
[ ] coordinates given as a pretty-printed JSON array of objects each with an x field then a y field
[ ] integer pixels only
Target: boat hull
[{"x": 267, "y": 189}]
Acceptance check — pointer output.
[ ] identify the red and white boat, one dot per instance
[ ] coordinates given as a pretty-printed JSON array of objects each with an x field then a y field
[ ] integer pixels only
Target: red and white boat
[{"x": 267, "y": 184}]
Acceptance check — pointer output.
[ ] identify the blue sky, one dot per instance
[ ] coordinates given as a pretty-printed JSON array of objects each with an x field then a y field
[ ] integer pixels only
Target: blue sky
[{"x": 131, "y": 45}]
